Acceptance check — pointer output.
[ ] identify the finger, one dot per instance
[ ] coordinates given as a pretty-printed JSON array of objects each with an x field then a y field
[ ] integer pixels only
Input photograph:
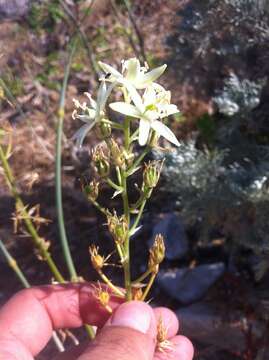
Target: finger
[
  {"x": 169, "y": 319},
  {"x": 170, "y": 322},
  {"x": 27, "y": 320},
  {"x": 130, "y": 334},
  {"x": 180, "y": 347}
]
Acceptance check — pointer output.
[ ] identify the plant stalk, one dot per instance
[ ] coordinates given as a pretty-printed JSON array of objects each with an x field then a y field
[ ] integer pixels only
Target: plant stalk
[
  {"x": 38, "y": 241},
  {"x": 15, "y": 267},
  {"x": 58, "y": 175},
  {"x": 149, "y": 285}
]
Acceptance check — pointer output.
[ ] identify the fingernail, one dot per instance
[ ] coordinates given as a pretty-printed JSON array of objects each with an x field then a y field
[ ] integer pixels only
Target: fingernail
[{"x": 134, "y": 314}]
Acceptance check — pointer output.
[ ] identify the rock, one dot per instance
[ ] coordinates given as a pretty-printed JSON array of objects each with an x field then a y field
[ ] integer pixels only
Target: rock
[
  {"x": 189, "y": 285},
  {"x": 171, "y": 227},
  {"x": 207, "y": 324},
  {"x": 13, "y": 9}
]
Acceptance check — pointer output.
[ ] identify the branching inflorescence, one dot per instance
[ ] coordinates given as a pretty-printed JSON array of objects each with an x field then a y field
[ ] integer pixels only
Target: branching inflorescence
[{"x": 115, "y": 161}]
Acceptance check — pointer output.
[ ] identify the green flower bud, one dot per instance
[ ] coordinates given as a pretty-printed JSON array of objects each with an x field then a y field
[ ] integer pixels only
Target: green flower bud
[
  {"x": 156, "y": 253},
  {"x": 118, "y": 227},
  {"x": 152, "y": 173},
  {"x": 101, "y": 161},
  {"x": 91, "y": 190},
  {"x": 117, "y": 154},
  {"x": 103, "y": 130}
]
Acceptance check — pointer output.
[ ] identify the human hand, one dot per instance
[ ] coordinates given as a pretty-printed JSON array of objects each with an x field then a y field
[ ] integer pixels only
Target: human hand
[{"x": 28, "y": 319}]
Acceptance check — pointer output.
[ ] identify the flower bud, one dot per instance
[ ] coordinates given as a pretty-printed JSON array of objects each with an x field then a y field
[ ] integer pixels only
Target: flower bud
[
  {"x": 103, "y": 130},
  {"x": 156, "y": 253},
  {"x": 101, "y": 161},
  {"x": 137, "y": 293},
  {"x": 97, "y": 260},
  {"x": 152, "y": 173},
  {"x": 118, "y": 227},
  {"x": 91, "y": 190},
  {"x": 117, "y": 154},
  {"x": 103, "y": 297}
]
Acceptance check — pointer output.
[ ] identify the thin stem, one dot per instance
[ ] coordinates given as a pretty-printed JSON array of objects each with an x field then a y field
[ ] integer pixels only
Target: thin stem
[
  {"x": 150, "y": 283},
  {"x": 126, "y": 260},
  {"x": 138, "y": 217},
  {"x": 134, "y": 135},
  {"x": 119, "y": 249},
  {"x": 125, "y": 30},
  {"x": 118, "y": 175},
  {"x": 83, "y": 36},
  {"x": 90, "y": 331},
  {"x": 138, "y": 160},
  {"x": 113, "y": 185},
  {"x": 137, "y": 31},
  {"x": 110, "y": 285},
  {"x": 58, "y": 175},
  {"x": 99, "y": 207},
  {"x": 142, "y": 277},
  {"x": 113, "y": 124},
  {"x": 58, "y": 183},
  {"x": 38, "y": 241},
  {"x": 15, "y": 267}
]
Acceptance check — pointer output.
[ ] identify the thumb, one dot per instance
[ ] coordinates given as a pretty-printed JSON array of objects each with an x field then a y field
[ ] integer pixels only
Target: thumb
[{"x": 129, "y": 335}]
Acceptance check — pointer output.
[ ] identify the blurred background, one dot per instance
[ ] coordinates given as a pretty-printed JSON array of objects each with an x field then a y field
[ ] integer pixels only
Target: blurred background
[{"x": 212, "y": 204}]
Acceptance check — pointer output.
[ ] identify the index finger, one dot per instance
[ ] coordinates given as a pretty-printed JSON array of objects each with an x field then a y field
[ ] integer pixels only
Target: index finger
[{"x": 28, "y": 318}]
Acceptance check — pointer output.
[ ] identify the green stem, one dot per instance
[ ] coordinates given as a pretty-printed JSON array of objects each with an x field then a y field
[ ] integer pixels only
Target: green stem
[
  {"x": 142, "y": 277},
  {"x": 110, "y": 285},
  {"x": 125, "y": 30},
  {"x": 15, "y": 267},
  {"x": 99, "y": 207},
  {"x": 150, "y": 283},
  {"x": 38, "y": 241},
  {"x": 83, "y": 36},
  {"x": 139, "y": 215},
  {"x": 113, "y": 185},
  {"x": 134, "y": 135},
  {"x": 138, "y": 160},
  {"x": 58, "y": 175},
  {"x": 126, "y": 260},
  {"x": 113, "y": 124},
  {"x": 90, "y": 331},
  {"x": 136, "y": 30},
  {"x": 118, "y": 175}
]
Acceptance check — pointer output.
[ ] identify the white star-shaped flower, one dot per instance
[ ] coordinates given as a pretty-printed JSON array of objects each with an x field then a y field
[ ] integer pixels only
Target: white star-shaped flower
[
  {"x": 132, "y": 73},
  {"x": 154, "y": 105},
  {"x": 90, "y": 115}
]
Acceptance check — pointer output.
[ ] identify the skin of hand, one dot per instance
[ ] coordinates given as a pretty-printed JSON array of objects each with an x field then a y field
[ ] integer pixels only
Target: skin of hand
[{"x": 29, "y": 317}]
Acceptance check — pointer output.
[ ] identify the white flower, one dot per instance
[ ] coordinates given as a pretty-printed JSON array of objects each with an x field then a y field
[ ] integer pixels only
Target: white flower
[
  {"x": 154, "y": 105},
  {"x": 132, "y": 73},
  {"x": 90, "y": 115}
]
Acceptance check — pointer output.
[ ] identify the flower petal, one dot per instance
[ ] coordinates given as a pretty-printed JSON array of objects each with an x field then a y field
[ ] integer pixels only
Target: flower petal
[
  {"x": 115, "y": 74},
  {"x": 101, "y": 93},
  {"x": 92, "y": 102},
  {"x": 149, "y": 96},
  {"x": 168, "y": 110},
  {"x": 125, "y": 109},
  {"x": 80, "y": 135},
  {"x": 146, "y": 79},
  {"x": 135, "y": 96},
  {"x": 132, "y": 67},
  {"x": 106, "y": 96},
  {"x": 144, "y": 128},
  {"x": 163, "y": 130}
]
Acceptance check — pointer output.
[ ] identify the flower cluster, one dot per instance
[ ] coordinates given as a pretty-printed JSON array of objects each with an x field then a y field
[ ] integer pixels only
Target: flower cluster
[
  {"x": 115, "y": 160},
  {"x": 150, "y": 107}
]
